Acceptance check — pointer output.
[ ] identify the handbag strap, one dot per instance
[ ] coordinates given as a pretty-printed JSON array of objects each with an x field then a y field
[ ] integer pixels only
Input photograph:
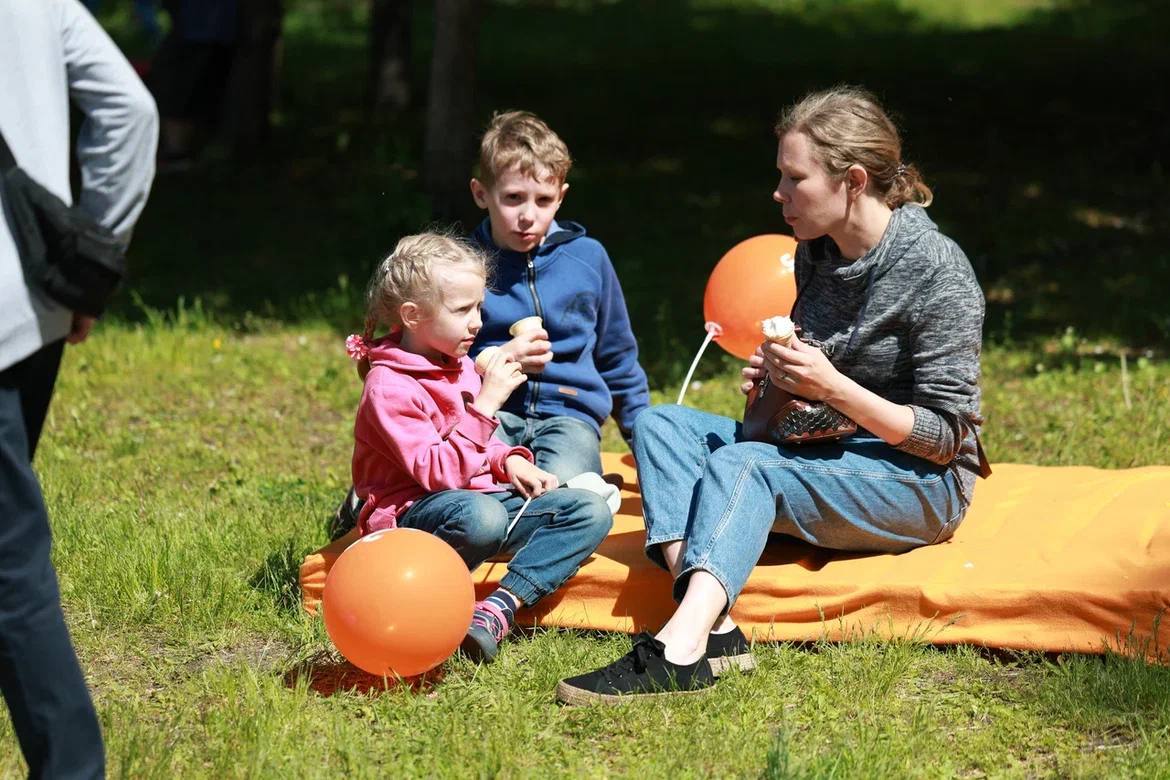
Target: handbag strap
[{"x": 7, "y": 161}]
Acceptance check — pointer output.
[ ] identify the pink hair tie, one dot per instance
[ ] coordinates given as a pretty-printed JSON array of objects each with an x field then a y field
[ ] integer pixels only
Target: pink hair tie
[{"x": 357, "y": 347}]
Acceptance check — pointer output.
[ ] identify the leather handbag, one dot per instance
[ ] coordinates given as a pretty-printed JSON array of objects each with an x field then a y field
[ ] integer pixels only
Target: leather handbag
[
  {"x": 772, "y": 414},
  {"x": 72, "y": 258}
]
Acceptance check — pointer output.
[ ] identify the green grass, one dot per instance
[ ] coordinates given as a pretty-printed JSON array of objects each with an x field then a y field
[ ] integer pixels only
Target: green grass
[
  {"x": 192, "y": 458},
  {"x": 188, "y": 468}
]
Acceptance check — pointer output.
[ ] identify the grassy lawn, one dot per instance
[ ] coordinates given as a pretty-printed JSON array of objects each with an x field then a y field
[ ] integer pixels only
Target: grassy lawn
[
  {"x": 189, "y": 467},
  {"x": 199, "y": 441}
]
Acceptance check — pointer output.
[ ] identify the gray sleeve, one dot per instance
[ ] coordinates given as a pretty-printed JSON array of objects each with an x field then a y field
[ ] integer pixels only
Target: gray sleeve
[
  {"x": 119, "y": 135},
  {"x": 936, "y": 436},
  {"x": 945, "y": 343},
  {"x": 946, "y": 339}
]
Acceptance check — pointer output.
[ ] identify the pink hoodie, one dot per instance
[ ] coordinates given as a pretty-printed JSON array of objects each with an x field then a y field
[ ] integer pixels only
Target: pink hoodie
[{"x": 416, "y": 433}]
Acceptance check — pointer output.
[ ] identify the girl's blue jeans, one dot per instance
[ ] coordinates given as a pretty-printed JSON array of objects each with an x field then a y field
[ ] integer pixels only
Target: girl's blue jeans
[
  {"x": 556, "y": 533},
  {"x": 702, "y": 483}
]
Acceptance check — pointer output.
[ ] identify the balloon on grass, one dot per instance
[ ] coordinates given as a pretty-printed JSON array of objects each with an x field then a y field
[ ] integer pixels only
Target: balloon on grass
[{"x": 398, "y": 602}]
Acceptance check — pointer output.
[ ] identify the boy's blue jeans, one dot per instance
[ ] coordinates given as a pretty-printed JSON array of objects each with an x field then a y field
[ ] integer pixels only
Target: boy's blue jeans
[
  {"x": 556, "y": 533},
  {"x": 563, "y": 445},
  {"x": 701, "y": 482}
]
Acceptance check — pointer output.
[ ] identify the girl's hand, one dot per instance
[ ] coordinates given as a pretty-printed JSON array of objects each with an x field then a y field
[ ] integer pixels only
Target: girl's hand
[
  {"x": 500, "y": 378},
  {"x": 753, "y": 372},
  {"x": 527, "y": 478},
  {"x": 802, "y": 370},
  {"x": 531, "y": 349}
]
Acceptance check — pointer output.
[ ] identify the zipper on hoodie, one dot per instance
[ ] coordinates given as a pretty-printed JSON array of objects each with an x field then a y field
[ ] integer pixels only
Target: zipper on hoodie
[{"x": 536, "y": 303}]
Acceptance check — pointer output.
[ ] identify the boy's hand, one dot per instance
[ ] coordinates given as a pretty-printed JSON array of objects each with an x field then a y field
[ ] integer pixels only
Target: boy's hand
[
  {"x": 531, "y": 349},
  {"x": 500, "y": 378},
  {"x": 527, "y": 478}
]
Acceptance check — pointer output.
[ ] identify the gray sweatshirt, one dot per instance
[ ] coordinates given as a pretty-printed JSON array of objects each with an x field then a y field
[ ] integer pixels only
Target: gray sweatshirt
[
  {"x": 904, "y": 321},
  {"x": 53, "y": 52}
]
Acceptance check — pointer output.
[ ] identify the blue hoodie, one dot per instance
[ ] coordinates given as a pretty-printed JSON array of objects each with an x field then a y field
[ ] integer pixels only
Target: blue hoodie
[{"x": 570, "y": 283}]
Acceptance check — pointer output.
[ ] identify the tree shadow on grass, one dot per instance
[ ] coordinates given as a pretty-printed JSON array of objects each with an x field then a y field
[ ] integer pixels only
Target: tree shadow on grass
[{"x": 1048, "y": 154}]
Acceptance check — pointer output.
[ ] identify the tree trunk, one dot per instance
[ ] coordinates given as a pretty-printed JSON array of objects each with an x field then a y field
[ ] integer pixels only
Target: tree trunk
[
  {"x": 390, "y": 27},
  {"x": 252, "y": 84},
  {"x": 450, "y": 137}
]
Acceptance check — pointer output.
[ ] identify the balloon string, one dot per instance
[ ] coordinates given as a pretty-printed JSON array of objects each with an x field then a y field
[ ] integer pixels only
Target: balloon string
[
  {"x": 714, "y": 330},
  {"x": 516, "y": 519}
]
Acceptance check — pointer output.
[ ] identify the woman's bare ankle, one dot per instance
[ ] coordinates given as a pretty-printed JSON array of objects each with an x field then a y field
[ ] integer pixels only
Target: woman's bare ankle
[
  {"x": 681, "y": 651},
  {"x": 723, "y": 625}
]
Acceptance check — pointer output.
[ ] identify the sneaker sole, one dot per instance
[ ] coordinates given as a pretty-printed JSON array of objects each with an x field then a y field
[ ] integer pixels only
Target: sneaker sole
[
  {"x": 744, "y": 663},
  {"x": 568, "y": 694}
]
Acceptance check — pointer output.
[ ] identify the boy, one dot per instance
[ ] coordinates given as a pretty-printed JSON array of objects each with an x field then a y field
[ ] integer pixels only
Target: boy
[{"x": 582, "y": 360}]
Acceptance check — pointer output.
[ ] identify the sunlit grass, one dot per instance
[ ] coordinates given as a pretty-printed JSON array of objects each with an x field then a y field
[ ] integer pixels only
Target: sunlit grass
[{"x": 189, "y": 466}]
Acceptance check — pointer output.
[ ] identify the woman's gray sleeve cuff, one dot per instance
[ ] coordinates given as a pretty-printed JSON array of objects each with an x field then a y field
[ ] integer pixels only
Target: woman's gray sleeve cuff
[{"x": 934, "y": 436}]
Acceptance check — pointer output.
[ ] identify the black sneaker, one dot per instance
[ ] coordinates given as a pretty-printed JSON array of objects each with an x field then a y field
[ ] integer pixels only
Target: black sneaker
[
  {"x": 729, "y": 649},
  {"x": 642, "y": 672},
  {"x": 346, "y": 516}
]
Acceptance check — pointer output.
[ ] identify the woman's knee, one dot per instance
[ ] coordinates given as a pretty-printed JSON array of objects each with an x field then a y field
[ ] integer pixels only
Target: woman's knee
[
  {"x": 732, "y": 460},
  {"x": 656, "y": 421}
]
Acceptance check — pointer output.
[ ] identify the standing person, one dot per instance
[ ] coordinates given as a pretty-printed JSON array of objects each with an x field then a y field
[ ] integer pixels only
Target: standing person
[
  {"x": 53, "y": 52},
  {"x": 424, "y": 453},
  {"x": 582, "y": 357},
  {"x": 189, "y": 75},
  {"x": 900, "y": 314}
]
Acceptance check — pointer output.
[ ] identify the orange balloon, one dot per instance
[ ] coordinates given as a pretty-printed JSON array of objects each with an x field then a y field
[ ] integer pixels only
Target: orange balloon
[
  {"x": 753, "y": 281},
  {"x": 398, "y": 602}
]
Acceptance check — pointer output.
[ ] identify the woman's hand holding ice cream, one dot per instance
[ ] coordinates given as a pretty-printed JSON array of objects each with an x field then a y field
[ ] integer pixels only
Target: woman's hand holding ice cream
[
  {"x": 802, "y": 370},
  {"x": 529, "y": 345},
  {"x": 501, "y": 375},
  {"x": 776, "y": 330},
  {"x": 753, "y": 372}
]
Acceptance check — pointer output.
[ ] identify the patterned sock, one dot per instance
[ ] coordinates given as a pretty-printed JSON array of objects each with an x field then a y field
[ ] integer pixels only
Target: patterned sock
[{"x": 506, "y": 603}]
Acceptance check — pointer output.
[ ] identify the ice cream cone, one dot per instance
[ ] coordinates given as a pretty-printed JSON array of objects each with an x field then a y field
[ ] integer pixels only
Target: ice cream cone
[
  {"x": 778, "y": 330},
  {"x": 483, "y": 358},
  {"x": 525, "y": 325}
]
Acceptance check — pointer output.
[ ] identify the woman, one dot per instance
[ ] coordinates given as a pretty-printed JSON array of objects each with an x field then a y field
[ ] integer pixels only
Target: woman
[{"x": 899, "y": 314}]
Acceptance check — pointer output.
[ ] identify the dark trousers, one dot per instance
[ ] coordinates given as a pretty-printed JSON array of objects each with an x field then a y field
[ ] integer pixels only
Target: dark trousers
[{"x": 52, "y": 713}]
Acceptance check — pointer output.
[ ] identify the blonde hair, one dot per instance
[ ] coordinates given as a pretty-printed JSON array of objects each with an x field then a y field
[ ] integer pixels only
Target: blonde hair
[
  {"x": 847, "y": 126},
  {"x": 409, "y": 274},
  {"x": 521, "y": 138}
]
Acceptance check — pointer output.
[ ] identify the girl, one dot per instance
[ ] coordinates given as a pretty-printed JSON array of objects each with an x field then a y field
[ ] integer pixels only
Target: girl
[
  {"x": 424, "y": 454},
  {"x": 900, "y": 315}
]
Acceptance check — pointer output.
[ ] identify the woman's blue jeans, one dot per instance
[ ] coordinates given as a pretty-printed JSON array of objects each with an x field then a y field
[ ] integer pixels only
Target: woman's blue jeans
[
  {"x": 702, "y": 483},
  {"x": 556, "y": 533}
]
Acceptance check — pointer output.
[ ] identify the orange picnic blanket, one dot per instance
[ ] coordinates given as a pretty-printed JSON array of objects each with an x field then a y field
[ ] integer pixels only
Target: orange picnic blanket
[{"x": 1048, "y": 558}]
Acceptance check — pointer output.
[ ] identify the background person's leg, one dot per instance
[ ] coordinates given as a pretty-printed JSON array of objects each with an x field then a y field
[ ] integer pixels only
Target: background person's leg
[
  {"x": 566, "y": 447},
  {"x": 51, "y": 710}
]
